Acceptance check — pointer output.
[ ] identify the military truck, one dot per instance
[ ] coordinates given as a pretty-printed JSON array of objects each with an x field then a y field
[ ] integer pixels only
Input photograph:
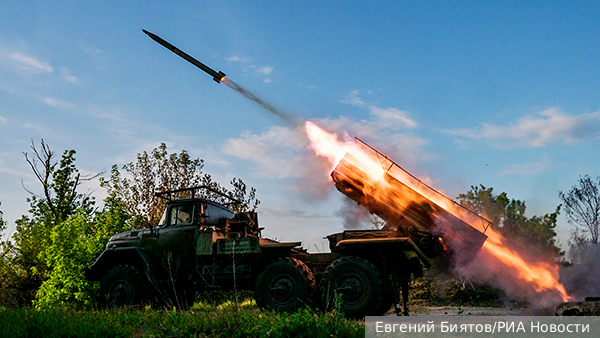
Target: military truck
[{"x": 201, "y": 245}]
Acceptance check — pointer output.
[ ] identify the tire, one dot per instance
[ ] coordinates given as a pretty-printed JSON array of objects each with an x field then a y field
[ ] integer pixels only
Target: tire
[
  {"x": 359, "y": 283},
  {"x": 385, "y": 306},
  {"x": 123, "y": 285},
  {"x": 285, "y": 285}
]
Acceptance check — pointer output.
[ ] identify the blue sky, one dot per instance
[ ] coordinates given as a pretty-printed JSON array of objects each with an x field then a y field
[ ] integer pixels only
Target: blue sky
[{"x": 504, "y": 94}]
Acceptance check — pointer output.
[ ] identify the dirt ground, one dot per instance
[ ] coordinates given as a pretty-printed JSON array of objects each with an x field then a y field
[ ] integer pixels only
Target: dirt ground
[
  {"x": 477, "y": 311},
  {"x": 425, "y": 309}
]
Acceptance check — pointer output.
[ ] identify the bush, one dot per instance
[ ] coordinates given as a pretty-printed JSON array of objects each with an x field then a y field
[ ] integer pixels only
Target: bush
[
  {"x": 67, "y": 256},
  {"x": 72, "y": 245}
]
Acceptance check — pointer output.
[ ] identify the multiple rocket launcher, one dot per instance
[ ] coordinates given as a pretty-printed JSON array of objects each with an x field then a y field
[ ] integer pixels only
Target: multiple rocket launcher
[
  {"x": 408, "y": 209},
  {"x": 411, "y": 208}
]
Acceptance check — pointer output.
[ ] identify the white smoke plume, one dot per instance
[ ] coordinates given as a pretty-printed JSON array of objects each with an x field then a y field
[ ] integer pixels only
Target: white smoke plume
[{"x": 582, "y": 278}]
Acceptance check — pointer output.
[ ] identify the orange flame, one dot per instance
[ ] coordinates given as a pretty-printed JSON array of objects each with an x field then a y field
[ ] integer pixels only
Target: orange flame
[
  {"x": 541, "y": 276},
  {"x": 329, "y": 146}
]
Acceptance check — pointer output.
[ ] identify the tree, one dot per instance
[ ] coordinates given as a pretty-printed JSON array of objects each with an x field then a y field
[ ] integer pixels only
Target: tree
[
  {"x": 58, "y": 201},
  {"x": 582, "y": 205},
  {"x": 7, "y": 293},
  {"x": 60, "y": 197},
  {"x": 535, "y": 234},
  {"x": 160, "y": 171},
  {"x": 2, "y": 229}
]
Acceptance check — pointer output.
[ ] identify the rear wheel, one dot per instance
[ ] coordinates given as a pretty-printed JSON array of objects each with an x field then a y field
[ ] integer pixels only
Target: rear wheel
[
  {"x": 285, "y": 285},
  {"x": 386, "y": 305},
  {"x": 358, "y": 282},
  {"x": 123, "y": 285}
]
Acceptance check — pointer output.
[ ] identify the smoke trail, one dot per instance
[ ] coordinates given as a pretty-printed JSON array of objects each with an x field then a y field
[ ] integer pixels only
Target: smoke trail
[{"x": 288, "y": 119}]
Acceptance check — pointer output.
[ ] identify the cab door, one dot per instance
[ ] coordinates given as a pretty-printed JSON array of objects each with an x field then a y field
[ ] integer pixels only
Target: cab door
[{"x": 174, "y": 249}]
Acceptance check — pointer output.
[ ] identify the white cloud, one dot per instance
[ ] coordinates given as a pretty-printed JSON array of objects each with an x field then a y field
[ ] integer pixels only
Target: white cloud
[
  {"x": 59, "y": 103},
  {"x": 395, "y": 116},
  {"x": 2, "y": 119},
  {"x": 28, "y": 63},
  {"x": 282, "y": 152},
  {"x": 353, "y": 99},
  {"x": 234, "y": 58},
  {"x": 547, "y": 127},
  {"x": 307, "y": 86},
  {"x": 267, "y": 81},
  {"x": 265, "y": 70},
  {"x": 526, "y": 169},
  {"x": 275, "y": 150},
  {"x": 68, "y": 77}
]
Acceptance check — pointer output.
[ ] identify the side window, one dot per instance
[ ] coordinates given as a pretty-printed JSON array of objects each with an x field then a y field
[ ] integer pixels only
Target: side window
[
  {"x": 213, "y": 213},
  {"x": 182, "y": 214}
]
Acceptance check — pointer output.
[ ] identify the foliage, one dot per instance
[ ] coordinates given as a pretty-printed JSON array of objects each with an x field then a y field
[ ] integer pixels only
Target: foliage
[
  {"x": 463, "y": 292},
  {"x": 160, "y": 171},
  {"x": 534, "y": 234},
  {"x": 7, "y": 292},
  {"x": 582, "y": 206},
  {"x": 57, "y": 202},
  {"x": 3, "y": 244},
  {"x": 439, "y": 288},
  {"x": 66, "y": 255},
  {"x": 72, "y": 244},
  {"x": 203, "y": 320},
  {"x": 2, "y": 222},
  {"x": 59, "y": 182},
  {"x": 45, "y": 258},
  {"x": 150, "y": 173}
]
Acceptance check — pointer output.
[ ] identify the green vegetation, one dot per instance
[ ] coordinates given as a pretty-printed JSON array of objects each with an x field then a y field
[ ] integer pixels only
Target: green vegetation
[
  {"x": 202, "y": 320},
  {"x": 72, "y": 244},
  {"x": 533, "y": 235},
  {"x": 160, "y": 171},
  {"x": 42, "y": 263},
  {"x": 437, "y": 289}
]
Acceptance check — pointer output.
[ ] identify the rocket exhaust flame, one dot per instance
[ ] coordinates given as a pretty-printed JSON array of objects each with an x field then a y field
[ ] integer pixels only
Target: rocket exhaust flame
[
  {"x": 371, "y": 166},
  {"x": 541, "y": 276}
]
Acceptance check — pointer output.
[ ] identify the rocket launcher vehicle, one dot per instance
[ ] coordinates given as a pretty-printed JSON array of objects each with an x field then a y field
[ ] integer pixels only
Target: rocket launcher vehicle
[{"x": 411, "y": 208}]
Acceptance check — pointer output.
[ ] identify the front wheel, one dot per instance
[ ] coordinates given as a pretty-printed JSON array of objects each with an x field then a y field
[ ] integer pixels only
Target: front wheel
[
  {"x": 123, "y": 285},
  {"x": 285, "y": 285}
]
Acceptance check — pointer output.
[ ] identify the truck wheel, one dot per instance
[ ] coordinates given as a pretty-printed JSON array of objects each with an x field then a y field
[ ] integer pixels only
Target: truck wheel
[
  {"x": 385, "y": 306},
  {"x": 285, "y": 285},
  {"x": 358, "y": 282},
  {"x": 123, "y": 285}
]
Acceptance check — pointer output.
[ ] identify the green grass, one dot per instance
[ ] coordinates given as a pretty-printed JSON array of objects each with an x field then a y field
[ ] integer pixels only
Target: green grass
[{"x": 202, "y": 320}]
